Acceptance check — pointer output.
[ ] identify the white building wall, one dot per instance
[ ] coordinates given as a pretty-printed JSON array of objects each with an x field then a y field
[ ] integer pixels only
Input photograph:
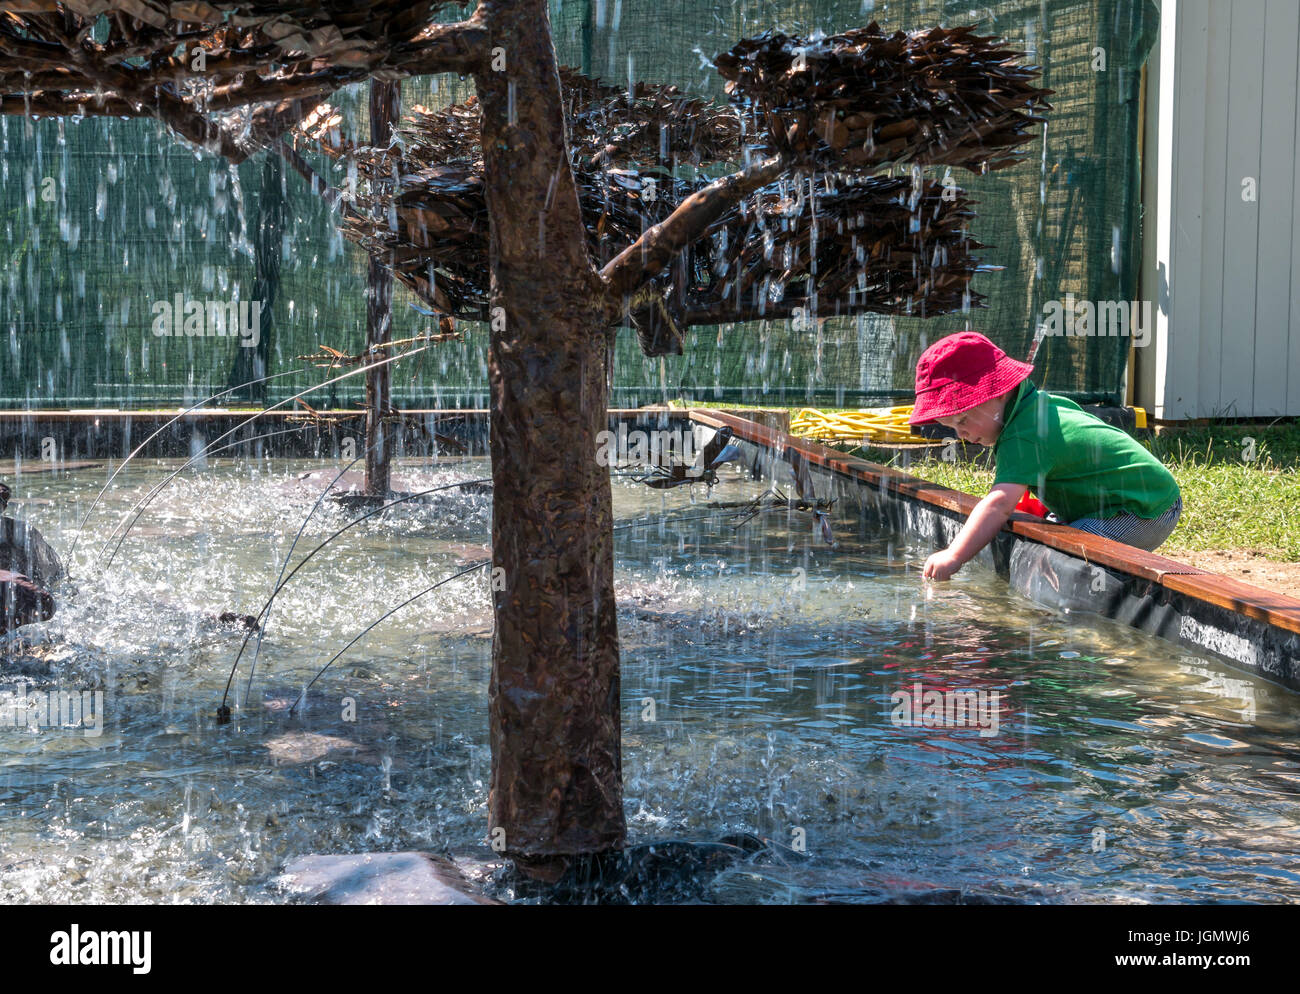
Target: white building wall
[{"x": 1221, "y": 189}]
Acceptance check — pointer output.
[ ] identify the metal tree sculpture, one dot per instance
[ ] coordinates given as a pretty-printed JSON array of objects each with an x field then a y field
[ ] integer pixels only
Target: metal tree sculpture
[{"x": 527, "y": 210}]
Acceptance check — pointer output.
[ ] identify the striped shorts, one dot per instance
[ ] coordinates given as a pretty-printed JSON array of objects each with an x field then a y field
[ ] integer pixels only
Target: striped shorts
[{"x": 1144, "y": 533}]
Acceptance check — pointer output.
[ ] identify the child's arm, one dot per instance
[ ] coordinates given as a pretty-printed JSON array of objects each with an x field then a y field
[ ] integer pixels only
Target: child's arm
[{"x": 989, "y": 516}]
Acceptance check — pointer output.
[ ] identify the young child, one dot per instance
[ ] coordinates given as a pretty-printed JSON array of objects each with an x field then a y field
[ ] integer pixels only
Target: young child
[{"x": 1094, "y": 476}]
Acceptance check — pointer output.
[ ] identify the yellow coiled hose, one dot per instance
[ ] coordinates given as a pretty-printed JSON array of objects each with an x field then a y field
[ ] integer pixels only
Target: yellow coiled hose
[{"x": 890, "y": 427}]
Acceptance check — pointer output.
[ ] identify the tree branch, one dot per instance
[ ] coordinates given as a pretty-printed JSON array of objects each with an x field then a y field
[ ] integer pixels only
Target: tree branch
[
  {"x": 271, "y": 123},
  {"x": 723, "y": 312},
  {"x": 460, "y": 48},
  {"x": 52, "y": 104},
  {"x": 331, "y": 195},
  {"x": 140, "y": 91},
  {"x": 647, "y": 257},
  {"x": 133, "y": 87}
]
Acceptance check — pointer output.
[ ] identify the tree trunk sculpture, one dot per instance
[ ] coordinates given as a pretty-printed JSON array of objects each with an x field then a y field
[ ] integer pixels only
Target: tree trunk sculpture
[{"x": 572, "y": 248}]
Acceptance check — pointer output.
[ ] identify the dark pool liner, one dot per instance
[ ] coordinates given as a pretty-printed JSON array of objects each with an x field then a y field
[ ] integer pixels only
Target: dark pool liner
[{"x": 1060, "y": 567}]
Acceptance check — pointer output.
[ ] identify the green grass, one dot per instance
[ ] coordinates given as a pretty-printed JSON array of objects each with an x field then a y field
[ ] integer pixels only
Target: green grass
[{"x": 1234, "y": 495}]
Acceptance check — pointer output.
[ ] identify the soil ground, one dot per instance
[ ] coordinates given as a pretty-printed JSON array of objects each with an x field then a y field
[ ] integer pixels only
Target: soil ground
[{"x": 1247, "y": 565}]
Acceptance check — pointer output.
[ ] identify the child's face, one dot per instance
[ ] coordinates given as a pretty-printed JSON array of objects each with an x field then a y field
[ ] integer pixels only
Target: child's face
[{"x": 981, "y": 425}]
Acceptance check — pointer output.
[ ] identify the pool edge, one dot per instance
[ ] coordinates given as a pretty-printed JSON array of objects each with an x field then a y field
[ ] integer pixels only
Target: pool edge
[{"x": 1247, "y": 627}]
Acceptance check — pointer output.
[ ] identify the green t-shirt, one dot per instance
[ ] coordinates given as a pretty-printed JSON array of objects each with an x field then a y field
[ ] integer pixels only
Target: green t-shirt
[{"x": 1078, "y": 465}]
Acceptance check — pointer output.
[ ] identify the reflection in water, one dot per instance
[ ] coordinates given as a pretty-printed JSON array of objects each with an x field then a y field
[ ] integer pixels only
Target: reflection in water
[{"x": 760, "y": 668}]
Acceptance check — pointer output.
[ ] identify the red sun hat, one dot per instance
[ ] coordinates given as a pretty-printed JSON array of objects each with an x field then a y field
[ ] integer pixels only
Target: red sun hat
[{"x": 962, "y": 371}]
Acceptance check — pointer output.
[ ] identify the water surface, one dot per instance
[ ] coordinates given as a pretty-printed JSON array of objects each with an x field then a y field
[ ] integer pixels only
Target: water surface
[{"x": 1123, "y": 769}]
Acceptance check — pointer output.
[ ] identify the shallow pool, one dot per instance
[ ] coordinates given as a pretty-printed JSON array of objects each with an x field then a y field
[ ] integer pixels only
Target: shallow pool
[{"x": 763, "y": 682}]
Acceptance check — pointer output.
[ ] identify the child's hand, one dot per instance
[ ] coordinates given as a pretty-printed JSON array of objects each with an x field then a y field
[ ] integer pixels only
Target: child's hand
[
  {"x": 989, "y": 515},
  {"x": 941, "y": 565}
]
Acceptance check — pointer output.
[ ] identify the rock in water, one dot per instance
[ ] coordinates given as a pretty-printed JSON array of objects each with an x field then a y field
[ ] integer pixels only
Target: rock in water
[
  {"x": 378, "y": 878},
  {"x": 246, "y": 621},
  {"x": 22, "y": 602},
  {"x": 23, "y": 550},
  {"x": 294, "y": 748}
]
